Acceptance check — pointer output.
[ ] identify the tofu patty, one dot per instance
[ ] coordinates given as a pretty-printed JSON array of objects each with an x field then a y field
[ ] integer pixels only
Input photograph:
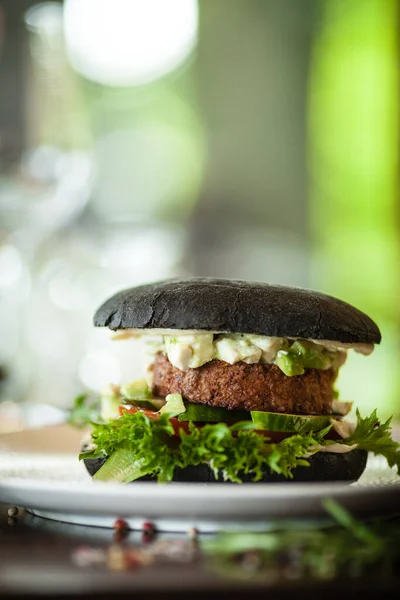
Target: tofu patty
[{"x": 245, "y": 386}]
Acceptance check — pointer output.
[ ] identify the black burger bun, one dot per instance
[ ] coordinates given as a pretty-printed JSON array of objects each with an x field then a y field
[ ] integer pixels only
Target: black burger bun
[
  {"x": 324, "y": 466},
  {"x": 230, "y": 306}
]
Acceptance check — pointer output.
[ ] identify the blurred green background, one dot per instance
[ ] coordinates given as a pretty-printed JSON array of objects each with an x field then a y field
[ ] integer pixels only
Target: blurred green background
[{"x": 254, "y": 139}]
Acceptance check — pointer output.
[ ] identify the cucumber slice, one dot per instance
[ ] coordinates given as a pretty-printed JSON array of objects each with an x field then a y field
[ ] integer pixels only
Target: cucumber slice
[
  {"x": 157, "y": 403},
  {"x": 138, "y": 392},
  {"x": 210, "y": 414},
  {"x": 120, "y": 467},
  {"x": 142, "y": 405},
  {"x": 289, "y": 423}
]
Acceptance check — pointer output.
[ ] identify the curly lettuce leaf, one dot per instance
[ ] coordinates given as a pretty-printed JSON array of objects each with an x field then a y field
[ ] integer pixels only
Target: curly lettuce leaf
[
  {"x": 147, "y": 438},
  {"x": 375, "y": 437},
  {"x": 231, "y": 451},
  {"x": 228, "y": 451}
]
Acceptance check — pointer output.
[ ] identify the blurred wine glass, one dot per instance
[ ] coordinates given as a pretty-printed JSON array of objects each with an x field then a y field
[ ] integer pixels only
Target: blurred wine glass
[{"x": 42, "y": 191}]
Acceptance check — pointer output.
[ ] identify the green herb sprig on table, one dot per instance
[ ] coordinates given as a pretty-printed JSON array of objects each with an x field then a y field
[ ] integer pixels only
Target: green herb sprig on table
[
  {"x": 85, "y": 411},
  {"x": 350, "y": 549}
]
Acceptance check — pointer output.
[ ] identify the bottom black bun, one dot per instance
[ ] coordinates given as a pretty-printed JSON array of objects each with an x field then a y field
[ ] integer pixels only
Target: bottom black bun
[{"x": 324, "y": 466}]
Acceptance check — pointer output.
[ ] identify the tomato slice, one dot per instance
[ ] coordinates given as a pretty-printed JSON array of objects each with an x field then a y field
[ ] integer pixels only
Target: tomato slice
[{"x": 274, "y": 436}]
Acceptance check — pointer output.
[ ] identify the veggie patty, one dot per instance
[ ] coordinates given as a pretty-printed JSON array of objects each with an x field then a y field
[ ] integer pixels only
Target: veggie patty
[{"x": 247, "y": 387}]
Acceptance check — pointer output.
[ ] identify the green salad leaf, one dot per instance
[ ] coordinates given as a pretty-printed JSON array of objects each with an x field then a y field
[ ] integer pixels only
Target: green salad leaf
[
  {"x": 229, "y": 451},
  {"x": 85, "y": 411},
  {"x": 246, "y": 453},
  {"x": 289, "y": 551},
  {"x": 232, "y": 451},
  {"x": 375, "y": 437}
]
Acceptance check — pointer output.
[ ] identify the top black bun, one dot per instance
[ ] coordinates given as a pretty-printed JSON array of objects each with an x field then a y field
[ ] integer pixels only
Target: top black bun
[{"x": 237, "y": 307}]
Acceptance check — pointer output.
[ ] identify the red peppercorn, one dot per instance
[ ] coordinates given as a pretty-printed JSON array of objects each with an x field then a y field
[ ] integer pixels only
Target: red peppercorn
[
  {"x": 121, "y": 525},
  {"x": 148, "y": 527}
]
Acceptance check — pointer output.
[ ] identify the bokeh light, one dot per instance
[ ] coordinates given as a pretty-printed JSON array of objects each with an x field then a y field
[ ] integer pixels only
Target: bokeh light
[
  {"x": 146, "y": 139},
  {"x": 129, "y": 42},
  {"x": 10, "y": 265},
  {"x": 98, "y": 369},
  {"x": 134, "y": 156},
  {"x": 44, "y": 16}
]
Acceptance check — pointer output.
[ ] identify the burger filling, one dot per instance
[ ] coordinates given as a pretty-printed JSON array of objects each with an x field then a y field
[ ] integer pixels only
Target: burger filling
[
  {"x": 238, "y": 403},
  {"x": 195, "y": 348},
  {"x": 246, "y": 372},
  {"x": 245, "y": 386}
]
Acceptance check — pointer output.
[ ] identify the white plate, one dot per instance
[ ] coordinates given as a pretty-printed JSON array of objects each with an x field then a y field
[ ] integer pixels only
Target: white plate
[{"x": 58, "y": 487}]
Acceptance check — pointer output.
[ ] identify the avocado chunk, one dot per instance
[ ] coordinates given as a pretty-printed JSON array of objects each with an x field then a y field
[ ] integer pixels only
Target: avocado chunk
[
  {"x": 289, "y": 362},
  {"x": 138, "y": 391},
  {"x": 302, "y": 355},
  {"x": 173, "y": 406},
  {"x": 311, "y": 355}
]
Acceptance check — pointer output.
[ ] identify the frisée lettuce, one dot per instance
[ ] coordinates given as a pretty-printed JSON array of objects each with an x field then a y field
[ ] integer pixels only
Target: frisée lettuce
[{"x": 231, "y": 451}]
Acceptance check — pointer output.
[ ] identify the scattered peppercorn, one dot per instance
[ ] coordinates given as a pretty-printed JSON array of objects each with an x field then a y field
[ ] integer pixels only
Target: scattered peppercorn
[
  {"x": 148, "y": 527},
  {"x": 121, "y": 526}
]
